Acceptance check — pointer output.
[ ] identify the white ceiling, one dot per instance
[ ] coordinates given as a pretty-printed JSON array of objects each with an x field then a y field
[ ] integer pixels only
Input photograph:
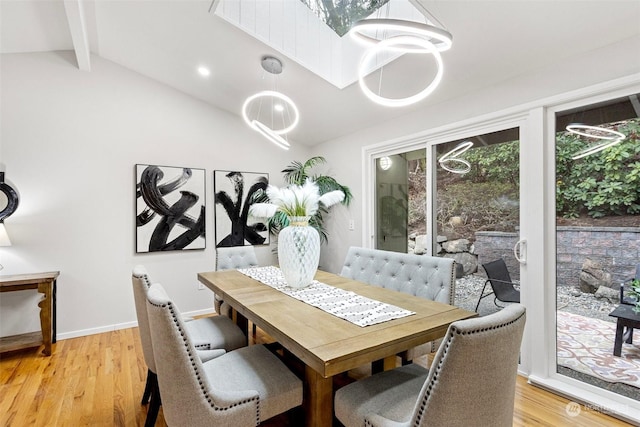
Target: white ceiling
[{"x": 167, "y": 40}]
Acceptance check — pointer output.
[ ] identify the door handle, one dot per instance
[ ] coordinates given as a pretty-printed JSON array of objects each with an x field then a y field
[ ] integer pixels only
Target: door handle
[{"x": 520, "y": 251}]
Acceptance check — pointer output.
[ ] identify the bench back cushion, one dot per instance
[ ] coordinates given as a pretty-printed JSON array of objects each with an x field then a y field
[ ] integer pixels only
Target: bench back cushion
[{"x": 424, "y": 276}]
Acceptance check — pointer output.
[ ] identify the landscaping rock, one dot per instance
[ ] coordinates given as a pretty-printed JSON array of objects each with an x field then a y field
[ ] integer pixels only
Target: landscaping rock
[
  {"x": 421, "y": 245},
  {"x": 468, "y": 262},
  {"x": 575, "y": 292},
  {"x": 456, "y": 246},
  {"x": 592, "y": 276},
  {"x": 455, "y": 221},
  {"x": 608, "y": 294}
]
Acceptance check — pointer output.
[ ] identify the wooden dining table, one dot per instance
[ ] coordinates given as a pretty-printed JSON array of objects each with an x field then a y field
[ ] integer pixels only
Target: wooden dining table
[{"x": 326, "y": 344}]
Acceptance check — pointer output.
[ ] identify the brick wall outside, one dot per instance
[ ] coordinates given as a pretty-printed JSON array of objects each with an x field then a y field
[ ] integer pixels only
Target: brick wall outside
[
  {"x": 491, "y": 245},
  {"x": 617, "y": 249}
]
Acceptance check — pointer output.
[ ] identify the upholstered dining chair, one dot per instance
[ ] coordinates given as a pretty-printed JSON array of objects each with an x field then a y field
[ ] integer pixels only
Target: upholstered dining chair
[
  {"x": 424, "y": 276},
  {"x": 241, "y": 388},
  {"x": 212, "y": 336},
  {"x": 231, "y": 258},
  {"x": 471, "y": 382}
]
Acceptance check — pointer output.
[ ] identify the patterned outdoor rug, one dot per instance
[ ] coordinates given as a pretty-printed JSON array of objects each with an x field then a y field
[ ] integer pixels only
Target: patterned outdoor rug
[{"x": 586, "y": 345}]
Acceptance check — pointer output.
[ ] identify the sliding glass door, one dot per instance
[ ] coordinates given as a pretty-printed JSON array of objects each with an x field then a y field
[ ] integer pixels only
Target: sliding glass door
[
  {"x": 476, "y": 211},
  {"x": 459, "y": 197},
  {"x": 597, "y": 240},
  {"x": 552, "y": 189}
]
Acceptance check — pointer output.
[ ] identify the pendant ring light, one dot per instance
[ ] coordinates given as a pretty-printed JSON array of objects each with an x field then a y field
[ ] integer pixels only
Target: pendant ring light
[
  {"x": 451, "y": 157},
  {"x": 427, "y": 47},
  {"x": 277, "y": 104},
  {"x": 603, "y": 133},
  {"x": 609, "y": 137},
  {"x": 268, "y": 133},
  {"x": 266, "y": 95},
  {"x": 439, "y": 38}
]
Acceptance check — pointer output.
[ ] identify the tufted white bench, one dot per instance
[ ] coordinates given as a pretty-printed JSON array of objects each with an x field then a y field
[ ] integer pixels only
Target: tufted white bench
[{"x": 424, "y": 276}]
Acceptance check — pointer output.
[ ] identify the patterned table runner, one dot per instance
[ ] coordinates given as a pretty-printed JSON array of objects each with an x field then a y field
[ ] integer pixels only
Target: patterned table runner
[{"x": 347, "y": 305}]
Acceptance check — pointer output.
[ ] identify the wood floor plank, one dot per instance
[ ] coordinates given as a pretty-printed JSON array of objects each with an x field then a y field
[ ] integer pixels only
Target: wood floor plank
[{"x": 98, "y": 380}]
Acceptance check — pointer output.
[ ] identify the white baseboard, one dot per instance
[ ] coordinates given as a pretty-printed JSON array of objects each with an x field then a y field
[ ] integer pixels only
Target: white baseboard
[{"x": 118, "y": 326}]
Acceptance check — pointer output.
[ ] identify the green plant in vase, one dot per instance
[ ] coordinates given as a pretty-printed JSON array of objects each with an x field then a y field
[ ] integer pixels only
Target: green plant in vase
[
  {"x": 298, "y": 243},
  {"x": 635, "y": 293},
  {"x": 297, "y": 174}
]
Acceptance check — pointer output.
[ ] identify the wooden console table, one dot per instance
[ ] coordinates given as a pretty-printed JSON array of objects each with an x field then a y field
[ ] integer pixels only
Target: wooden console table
[{"x": 45, "y": 283}]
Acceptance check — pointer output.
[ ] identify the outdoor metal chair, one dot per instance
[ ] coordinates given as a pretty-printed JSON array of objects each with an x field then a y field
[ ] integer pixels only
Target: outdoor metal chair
[{"x": 501, "y": 284}]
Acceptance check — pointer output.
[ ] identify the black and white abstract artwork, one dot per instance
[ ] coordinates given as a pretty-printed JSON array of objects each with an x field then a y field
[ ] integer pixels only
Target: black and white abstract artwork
[
  {"x": 234, "y": 193},
  {"x": 170, "y": 208}
]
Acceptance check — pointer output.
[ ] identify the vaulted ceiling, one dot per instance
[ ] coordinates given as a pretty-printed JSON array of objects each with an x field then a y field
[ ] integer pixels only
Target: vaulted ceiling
[{"x": 494, "y": 41}]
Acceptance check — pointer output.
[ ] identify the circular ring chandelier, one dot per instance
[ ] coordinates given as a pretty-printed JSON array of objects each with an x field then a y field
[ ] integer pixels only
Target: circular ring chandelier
[
  {"x": 451, "y": 157},
  {"x": 594, "y": 131},
  {"x": 268, "y": 95},
  {"x": 425, "y": 45},
  {"x": 609, "y": 137},
  {"x": 438, "y": 37},
  {"x": 268, "y": 133}
]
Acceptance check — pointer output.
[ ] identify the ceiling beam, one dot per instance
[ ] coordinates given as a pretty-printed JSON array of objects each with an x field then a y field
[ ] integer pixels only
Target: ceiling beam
[{"x": 76, "y": 20}]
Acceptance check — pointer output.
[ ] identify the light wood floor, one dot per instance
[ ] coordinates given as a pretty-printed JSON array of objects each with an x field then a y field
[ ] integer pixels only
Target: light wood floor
[{"x": 98, "y": 380}]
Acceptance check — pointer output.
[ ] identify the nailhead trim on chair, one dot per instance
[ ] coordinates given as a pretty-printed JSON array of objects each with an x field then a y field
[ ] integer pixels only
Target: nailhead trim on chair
[
  {"x": 449, "y": 338},
  {"x": 198, "y": 375}
]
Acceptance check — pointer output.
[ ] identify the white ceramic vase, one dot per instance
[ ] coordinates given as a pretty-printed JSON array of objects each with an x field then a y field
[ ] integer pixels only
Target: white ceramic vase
[{"x": 298, "y": 252}]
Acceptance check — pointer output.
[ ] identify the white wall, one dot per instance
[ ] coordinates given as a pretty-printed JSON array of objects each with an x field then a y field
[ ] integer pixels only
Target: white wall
[
  {"x": 344, "y": 154},
  {"x": 69, "y": 142}
]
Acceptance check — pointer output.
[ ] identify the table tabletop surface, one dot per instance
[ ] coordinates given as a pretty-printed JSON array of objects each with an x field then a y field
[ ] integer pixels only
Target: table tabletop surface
[
  {"x": 625, "y": 311},
  {"x": 28, "y": 278},
  {"x": 324, "y": 342}
]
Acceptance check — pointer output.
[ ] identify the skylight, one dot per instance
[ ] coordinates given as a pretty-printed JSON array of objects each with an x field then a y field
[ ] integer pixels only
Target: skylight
[
  {"x": 298, "y": 32},
  {"x": 340, "y": 15}
]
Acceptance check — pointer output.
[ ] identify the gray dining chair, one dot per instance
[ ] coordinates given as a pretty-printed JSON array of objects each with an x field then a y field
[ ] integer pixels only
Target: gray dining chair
[
  {"x": 471, "y": 382},
  {"x": 424, "y": 276},
  {"x": 243, "y": 387},
  {"x": 232, "y": 258},
  {"x": 212, "y": 336}
]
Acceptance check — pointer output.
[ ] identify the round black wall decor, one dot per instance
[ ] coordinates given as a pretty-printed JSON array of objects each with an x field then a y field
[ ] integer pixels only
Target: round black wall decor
[{"x": 12, "y": 199}]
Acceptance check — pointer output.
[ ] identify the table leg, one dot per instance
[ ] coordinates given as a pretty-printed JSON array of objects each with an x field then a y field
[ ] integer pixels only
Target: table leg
[
  {"x": 242, "y": 322},
  {"x": 318, "y": 399},
  {"x": 54, "y": 313},
  {"x": 385, "y": 364},
  {"x": 45, "y": 316},
  {"x": 617, "y": 347}
]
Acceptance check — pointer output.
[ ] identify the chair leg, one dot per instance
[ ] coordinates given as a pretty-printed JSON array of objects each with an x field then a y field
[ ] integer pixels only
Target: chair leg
[
  {"x": 154, "y": 406},
  {"x": 628, "y": 336},
  {"x": 482, "y": 295},
  {"x": 147, "y": 388}
]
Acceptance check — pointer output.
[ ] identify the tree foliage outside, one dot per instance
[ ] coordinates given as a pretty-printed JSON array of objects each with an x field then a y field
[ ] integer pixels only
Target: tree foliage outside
[
  {"x": 340, "y": 15},
  {"x": 606, "y": 183}
]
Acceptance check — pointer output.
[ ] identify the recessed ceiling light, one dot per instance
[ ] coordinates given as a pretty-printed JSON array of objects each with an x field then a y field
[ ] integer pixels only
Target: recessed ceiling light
[
  {"x": 279, "y": 108},
  {"x": 204, "y": 71}
]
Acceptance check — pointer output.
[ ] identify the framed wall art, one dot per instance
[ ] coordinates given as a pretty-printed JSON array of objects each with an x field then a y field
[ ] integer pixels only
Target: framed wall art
[
  {"x": 170, "y": 208},
  {"x": 234, "y": 193}
]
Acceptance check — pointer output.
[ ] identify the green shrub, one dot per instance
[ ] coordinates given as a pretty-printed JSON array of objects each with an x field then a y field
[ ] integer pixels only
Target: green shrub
[{"x": 602, "y": 184}]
